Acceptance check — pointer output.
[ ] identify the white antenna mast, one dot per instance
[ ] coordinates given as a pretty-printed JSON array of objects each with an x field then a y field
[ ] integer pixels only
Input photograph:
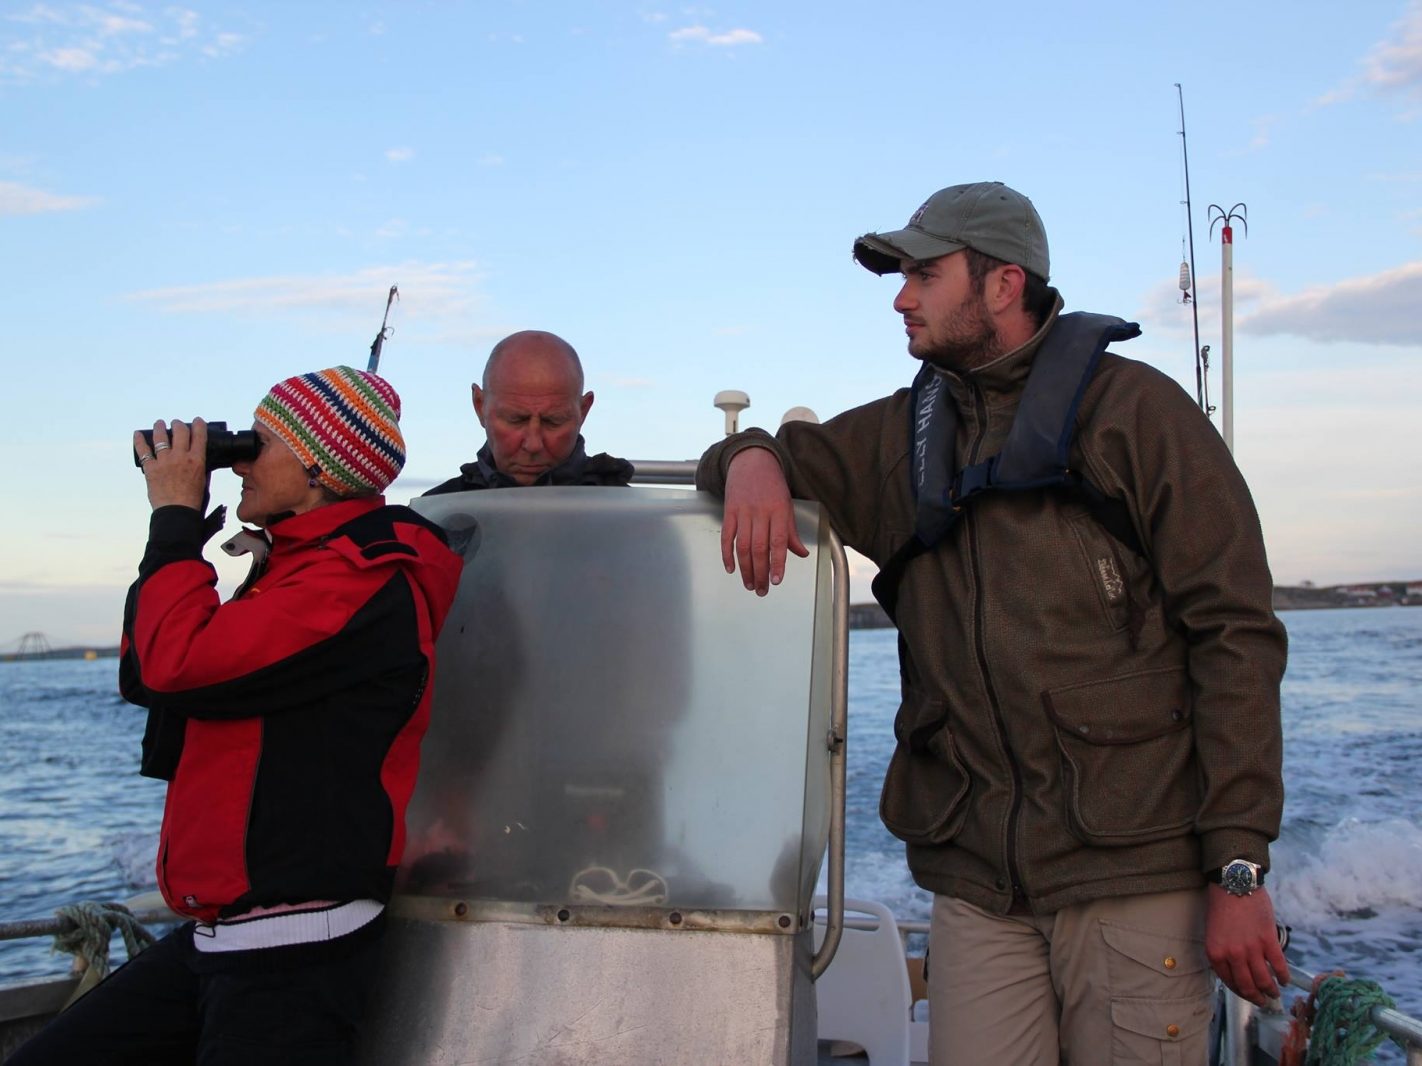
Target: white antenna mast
[{"x": 1219, "y": 214}]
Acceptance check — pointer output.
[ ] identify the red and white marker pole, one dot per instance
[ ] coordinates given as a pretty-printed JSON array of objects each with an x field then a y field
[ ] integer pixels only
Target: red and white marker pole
[
  {"x": 1227, "y": 323},
  {"x": 1219, "y": 214}
]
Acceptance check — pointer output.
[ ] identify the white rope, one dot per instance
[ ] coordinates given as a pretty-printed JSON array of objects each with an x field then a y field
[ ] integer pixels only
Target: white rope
[{"x": 599, "y": 884}]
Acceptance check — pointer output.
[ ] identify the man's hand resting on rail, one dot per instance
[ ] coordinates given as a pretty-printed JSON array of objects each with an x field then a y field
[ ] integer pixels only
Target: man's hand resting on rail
[
  {"x": 1242, "y": 944},
  {"x": 759, "y": 521}
]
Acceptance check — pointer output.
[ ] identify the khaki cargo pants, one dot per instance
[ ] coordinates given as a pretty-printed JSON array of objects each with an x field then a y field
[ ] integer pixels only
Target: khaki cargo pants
[{"x": 1102, "y": 983}]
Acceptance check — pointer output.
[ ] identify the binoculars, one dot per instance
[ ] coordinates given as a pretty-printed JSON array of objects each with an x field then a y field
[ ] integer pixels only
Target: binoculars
[{"x": 224, "y": 446}]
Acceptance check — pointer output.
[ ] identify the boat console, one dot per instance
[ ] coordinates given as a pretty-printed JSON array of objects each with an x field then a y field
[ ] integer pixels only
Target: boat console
[{"x": 625, "y": 794}]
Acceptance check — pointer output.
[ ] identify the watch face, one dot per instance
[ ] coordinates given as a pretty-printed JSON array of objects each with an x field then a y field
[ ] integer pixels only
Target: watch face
[{"x": 1238, "y": 879}]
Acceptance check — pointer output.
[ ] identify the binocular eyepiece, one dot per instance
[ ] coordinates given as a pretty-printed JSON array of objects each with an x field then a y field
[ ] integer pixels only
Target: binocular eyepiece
[{"x": 224, "y": 447}]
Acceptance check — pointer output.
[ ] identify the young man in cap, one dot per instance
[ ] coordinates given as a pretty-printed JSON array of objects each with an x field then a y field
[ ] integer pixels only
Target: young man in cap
[
  {"x": 532, "y": 406},
  {"x": 1087, "y": 773}
]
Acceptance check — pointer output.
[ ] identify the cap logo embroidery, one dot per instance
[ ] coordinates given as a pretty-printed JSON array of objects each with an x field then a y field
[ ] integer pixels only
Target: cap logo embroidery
[{"x": 918, "y": 215}]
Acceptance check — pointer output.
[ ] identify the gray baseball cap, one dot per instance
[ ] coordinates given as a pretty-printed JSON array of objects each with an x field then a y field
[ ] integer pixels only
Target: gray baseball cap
[{"x": 985, "y": 215}]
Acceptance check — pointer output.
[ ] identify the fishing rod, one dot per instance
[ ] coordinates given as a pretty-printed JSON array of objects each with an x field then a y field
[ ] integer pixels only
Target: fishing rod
[
  {"x": 1202, "y": 355},
  {"x": 385, "y": 330}
]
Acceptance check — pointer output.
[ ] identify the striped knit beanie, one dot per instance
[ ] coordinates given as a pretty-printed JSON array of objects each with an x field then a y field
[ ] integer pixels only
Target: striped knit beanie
[{"x": 343, "y": 424}]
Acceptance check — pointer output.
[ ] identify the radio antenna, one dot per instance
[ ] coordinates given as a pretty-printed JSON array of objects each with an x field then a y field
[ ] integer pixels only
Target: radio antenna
[
  {"x": 385, "y": 330},
  {"x": 1202, "y": 388}
]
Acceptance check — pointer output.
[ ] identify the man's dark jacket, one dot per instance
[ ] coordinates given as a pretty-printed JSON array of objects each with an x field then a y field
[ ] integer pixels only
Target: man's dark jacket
[{"x": 578, "y": 469}]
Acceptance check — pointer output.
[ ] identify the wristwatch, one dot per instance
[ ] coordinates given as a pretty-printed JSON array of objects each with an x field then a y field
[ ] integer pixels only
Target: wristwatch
[{"x": 1238, "y": 877}]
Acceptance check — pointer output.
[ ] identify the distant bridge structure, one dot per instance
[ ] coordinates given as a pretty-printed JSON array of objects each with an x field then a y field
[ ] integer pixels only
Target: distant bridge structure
[
  {"x": 37, "y": 645},
  {"x": 34, "y": 645}
]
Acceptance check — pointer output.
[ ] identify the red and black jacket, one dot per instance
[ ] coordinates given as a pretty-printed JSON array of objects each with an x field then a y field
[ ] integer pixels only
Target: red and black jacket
[{"x": 288, "y": 720}]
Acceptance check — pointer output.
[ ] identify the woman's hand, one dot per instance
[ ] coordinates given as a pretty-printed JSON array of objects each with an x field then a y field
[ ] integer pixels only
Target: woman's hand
[{"x": 177, "y": 470}]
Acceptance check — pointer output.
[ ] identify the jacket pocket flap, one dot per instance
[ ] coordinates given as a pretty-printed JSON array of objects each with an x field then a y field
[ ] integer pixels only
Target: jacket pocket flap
[
  {"x": 1160, "y": 953},
  {"x": 1122, "y": 710},
  {"x": 1162, "y": 1019},
  {"x": 919, "y": 718},
  {"x": 926, "y": 784}
]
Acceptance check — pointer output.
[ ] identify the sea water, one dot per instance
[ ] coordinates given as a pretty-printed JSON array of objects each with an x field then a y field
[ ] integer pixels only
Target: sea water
[{"x": 77, "y": 822}]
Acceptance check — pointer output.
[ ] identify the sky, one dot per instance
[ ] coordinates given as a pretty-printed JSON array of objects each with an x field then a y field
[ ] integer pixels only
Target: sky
[{"x": 199, "y": 200}]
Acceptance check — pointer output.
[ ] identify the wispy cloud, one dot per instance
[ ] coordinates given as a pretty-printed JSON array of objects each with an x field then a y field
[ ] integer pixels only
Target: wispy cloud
[
  {"x": 97, "y": 39},
  {"x": 17, "y": 199},
  {"x": 1379, "y": 309},
  {"x": 1394, "y": 65},
  {"x": 1164, "y": 310},
  {"x": 1376, "y": 309},
  {"x": 716, "y": 39},
  {"x": 399, "y": 155},
  {"x": 432, "y": 289}
]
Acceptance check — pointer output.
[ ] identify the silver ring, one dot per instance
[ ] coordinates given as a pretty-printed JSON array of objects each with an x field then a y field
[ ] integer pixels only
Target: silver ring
[
  {"x": 146, "y": 459},
  {"x": 159, "y": 447}
]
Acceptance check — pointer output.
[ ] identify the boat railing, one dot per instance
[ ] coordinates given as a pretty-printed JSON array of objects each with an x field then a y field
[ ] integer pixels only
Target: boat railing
[
  {"x": 664, "y": 471},
  {"x": 1396, "y": 1024},
  {"x": 1247, "y": 1027},
  {"x": 34, "y": 927}
]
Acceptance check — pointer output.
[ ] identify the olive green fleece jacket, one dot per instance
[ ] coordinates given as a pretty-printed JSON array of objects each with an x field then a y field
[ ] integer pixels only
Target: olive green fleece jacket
[{"x": 1077, "y": 721}]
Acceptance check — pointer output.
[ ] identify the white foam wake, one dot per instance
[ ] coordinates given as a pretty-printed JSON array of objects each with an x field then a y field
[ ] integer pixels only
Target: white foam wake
[{"x": 1359, "y": 868}]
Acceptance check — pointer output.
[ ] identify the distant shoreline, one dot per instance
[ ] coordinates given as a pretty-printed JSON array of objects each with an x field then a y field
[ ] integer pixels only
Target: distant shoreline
[
  {"x": 872, "y": 616},
  {"x": 81, "y": 651},
  {"x": 1286, "y": 598}
]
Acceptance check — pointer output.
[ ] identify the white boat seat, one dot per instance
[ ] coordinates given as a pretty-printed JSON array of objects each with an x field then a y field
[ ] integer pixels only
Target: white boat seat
[{"x": 863, "y": 997}]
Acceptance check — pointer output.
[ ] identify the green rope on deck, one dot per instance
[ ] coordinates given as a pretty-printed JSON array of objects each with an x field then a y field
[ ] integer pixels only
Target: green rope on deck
[
  {"x": 1343, "y": 1029},
  {"x": 91, "y": 925}
]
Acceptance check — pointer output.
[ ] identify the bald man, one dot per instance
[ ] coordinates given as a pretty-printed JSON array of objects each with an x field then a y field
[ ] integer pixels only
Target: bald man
[{"x": 532, "y": 406}]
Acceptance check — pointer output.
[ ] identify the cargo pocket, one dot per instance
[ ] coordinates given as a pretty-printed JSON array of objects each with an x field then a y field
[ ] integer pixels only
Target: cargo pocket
[
  {"x": 1128, "y": 756},
  {"x": 926, "y": 786},
  {"x": 1172, "y": 1032},
  {"x": 1162, "y": 997}
]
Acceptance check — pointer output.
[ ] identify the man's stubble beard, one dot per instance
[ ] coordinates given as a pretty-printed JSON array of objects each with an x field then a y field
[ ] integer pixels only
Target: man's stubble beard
[{"x": 972, "y": 340}]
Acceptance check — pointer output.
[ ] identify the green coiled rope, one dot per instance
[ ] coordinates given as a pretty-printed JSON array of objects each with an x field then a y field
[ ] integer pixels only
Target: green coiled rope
[
  {"x": 91, "y": 925},
  {"x": 1344, "y": 1032}
]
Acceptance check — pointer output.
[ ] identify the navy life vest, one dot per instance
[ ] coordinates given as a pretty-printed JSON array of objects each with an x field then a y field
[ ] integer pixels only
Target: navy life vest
[{"x": 1035, "y": 457}]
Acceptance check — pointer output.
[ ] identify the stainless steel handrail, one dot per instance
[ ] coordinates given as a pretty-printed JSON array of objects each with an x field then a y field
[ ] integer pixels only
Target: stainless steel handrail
[
  {"x": 837, "y": 741},
  {"x": 54, "y": 926},
  {"x": 664, "y": 471}
]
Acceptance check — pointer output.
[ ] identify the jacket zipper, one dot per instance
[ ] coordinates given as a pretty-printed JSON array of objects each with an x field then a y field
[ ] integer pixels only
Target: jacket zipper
[{"x": 1019, "y": 894}]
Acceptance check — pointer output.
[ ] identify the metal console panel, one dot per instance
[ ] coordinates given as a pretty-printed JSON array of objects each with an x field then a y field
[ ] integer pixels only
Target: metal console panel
[
  {"x": 625, "y": 792},
  {"x": 511, "y": 993}
]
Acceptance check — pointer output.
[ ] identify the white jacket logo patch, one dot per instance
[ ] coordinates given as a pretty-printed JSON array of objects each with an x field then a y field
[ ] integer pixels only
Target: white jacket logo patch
[{"x": 1111, "y": 581}]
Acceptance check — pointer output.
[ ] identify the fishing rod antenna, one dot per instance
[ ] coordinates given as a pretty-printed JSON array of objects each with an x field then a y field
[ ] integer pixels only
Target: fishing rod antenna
[
  {"x": 385, "y": 330},
  {"x": 1201, "y": 361}
]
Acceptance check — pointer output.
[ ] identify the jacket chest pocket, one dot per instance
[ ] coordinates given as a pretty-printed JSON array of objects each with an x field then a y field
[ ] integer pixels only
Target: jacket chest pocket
[
  {"x": 926, "y": 786},
  {"x": 1105, "y": 561},
  {"x": 1127, "y": 755}
]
